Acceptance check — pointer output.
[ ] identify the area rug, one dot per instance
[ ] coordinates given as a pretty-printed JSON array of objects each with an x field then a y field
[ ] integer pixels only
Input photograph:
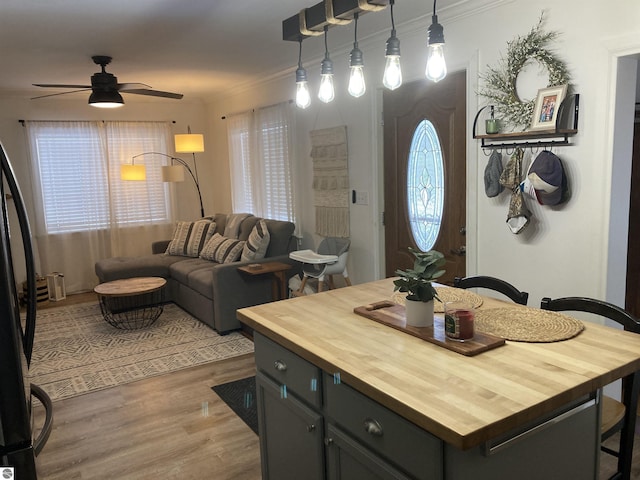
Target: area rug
[
  {"x": 240, "y": 396},
  {"x": 77, "y": 352}
]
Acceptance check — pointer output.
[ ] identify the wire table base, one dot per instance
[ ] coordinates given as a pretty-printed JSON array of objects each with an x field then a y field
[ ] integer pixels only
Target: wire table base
[{"x": 131, "y": 304}]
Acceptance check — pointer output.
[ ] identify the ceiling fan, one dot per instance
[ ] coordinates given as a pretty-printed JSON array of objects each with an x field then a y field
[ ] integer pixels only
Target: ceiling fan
[{"x": 105, "y": 89}]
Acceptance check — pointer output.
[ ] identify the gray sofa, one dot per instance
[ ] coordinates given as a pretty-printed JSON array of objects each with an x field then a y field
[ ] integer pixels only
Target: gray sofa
[{"x": 209, "y": 291}]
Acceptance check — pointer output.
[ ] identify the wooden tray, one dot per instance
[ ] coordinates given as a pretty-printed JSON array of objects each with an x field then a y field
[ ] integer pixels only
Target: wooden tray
[{"x": 393, "y": 315}]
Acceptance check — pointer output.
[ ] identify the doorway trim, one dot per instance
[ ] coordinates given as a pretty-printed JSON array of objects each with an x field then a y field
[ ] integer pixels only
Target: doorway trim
[{"x": 624, "y": 55}]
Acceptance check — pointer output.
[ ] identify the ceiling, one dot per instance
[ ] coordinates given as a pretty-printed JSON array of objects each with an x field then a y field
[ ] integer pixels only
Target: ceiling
[{"x": 196, "y": 47}]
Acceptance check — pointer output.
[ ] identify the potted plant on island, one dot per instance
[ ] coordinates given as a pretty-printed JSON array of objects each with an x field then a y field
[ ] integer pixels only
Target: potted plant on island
[{"x": 416, "y": 282}]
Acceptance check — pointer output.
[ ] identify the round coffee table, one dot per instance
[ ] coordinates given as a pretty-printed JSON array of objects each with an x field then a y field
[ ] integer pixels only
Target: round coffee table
[{"x": 131, "y": 303}]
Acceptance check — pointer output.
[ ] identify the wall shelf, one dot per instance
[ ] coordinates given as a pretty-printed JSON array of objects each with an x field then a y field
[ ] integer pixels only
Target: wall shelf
[{"x": 568, "y": 114}]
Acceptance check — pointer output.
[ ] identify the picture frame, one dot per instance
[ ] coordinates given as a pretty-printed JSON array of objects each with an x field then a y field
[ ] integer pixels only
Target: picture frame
[{"x": 547, "y": 105}]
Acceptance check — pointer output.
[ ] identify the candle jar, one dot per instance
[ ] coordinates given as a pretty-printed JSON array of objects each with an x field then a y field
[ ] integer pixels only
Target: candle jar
[
  {"x": 491, "y": 124},
  {"x": 459, "y": 317}
]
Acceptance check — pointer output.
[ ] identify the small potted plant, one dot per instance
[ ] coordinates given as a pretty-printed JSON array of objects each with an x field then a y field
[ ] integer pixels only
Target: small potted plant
[{"x": 416, "y": 282}]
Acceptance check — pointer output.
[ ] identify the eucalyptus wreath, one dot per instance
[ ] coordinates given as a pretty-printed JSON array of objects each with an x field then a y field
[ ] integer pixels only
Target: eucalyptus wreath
[{"x": 500, "y": 82}]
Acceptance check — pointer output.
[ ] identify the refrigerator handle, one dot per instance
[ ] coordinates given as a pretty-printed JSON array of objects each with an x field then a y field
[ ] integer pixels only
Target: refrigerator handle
[
  {"x": 41, "y": 395},
  {"x": 25, "y": 232}
]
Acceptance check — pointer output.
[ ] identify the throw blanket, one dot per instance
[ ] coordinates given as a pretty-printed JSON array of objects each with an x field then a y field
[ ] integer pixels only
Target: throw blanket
[{"x": 232, "y": 229}]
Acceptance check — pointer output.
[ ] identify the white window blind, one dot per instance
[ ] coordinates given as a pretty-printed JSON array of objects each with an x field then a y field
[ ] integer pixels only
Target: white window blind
[
  {"x": 77, "y": 168},
  {"x": 261, "y": 167}
]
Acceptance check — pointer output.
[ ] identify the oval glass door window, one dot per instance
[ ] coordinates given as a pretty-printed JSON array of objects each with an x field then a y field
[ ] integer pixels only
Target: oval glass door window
[{"x": 425, "y": 185}]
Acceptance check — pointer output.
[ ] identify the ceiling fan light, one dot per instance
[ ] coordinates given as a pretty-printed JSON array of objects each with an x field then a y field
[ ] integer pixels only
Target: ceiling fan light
[{"x": 106, "y": 99}]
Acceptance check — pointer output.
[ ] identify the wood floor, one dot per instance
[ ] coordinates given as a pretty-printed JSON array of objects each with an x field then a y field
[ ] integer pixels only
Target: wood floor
[{"x": 171, "y": 426}]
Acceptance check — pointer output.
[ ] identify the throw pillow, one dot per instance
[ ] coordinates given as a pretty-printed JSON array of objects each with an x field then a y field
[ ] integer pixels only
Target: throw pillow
[
  {"x": 257, "y": 243},
  {"x": 189, "y": 238},
  {"x": 222, "y": 249}
]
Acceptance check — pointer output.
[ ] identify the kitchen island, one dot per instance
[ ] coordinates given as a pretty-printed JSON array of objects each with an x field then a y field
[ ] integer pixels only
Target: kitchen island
[{"x": 374, "y": 402}]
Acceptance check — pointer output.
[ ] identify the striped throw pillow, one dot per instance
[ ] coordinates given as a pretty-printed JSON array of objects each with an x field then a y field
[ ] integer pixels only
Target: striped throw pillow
[
  {"x": 257, "y": 243},
  {"x": 222, "y": 249},
  {"x": 189, "y": 238}
]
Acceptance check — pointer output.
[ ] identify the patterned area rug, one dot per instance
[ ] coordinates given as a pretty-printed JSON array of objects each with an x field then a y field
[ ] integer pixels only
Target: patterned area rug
[{"x": 76, "y": 351}]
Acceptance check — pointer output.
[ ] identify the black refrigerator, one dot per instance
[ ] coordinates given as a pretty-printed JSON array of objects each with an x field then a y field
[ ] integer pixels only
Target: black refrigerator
[{"x": 18, "y": 448}]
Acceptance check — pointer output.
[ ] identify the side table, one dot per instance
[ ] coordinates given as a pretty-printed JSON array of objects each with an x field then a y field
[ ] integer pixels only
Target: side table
[
  {"x": 131, "y": 303},
  {"x": 277, "y": 269}
]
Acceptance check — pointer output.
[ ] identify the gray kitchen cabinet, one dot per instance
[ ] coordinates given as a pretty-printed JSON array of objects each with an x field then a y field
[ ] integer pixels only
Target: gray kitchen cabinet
[
  {"x": 379, "y": 430},
  {"x": 291, "y": 435},
  {"x": 314, "y": 426},
  {"x": 347, "y": 459},
  {"x": 289, "y": 417}
]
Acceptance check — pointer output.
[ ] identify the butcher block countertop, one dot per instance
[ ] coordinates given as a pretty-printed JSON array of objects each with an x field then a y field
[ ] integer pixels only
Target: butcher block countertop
[{"x": 462, "y": 400}]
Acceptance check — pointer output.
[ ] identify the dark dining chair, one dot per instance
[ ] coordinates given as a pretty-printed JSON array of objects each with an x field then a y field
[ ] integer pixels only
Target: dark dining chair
[
  {"x": 492, "y": 283},
  {"x": 616, "y": 416}
]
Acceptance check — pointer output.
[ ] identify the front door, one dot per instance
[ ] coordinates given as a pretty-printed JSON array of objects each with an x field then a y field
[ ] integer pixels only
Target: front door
[{"x": 425, "y": 172}]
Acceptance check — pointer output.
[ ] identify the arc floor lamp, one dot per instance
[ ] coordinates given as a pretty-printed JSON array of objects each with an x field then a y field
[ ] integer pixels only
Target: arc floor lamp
[{"x": 184, "y": 143}]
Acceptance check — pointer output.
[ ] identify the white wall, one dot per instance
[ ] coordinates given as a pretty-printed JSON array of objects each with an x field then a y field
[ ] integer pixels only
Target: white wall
[{"x": 565, "y": 250}]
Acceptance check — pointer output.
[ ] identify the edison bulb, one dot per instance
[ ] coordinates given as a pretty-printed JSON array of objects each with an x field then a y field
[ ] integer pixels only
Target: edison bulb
[
  {"x": 303, "y": 97},
  {"x": 436, "y": 66},
  {"x": 326, "y": 92},
  {"x": 392, "y": 72},
  {"x": 357, "y": 86}
]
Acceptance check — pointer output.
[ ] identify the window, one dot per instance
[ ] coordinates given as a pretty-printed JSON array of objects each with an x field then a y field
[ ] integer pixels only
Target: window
[
  {"x": 425, "y": 185},
  {"x": 77, "y": 168},
  {"x": 260, "y": 156}
]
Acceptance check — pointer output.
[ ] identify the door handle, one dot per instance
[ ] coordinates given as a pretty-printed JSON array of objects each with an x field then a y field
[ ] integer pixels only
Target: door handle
[{"x": 462, "y": 251}]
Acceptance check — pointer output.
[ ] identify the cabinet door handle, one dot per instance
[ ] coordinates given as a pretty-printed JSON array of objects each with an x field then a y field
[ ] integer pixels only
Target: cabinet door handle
[
  {"x": 280, "y": 366},
  {"x": 328, "y": 441},
  {"x": 372, "y": 427},
  {"x": 311, "y": 428}
]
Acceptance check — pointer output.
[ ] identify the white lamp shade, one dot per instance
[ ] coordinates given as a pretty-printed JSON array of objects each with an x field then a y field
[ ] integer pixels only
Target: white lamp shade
[
  {"x": 133, "y": 172},
  {"x": 173, "y": 173},
  {"x": 189, "y": 143}
]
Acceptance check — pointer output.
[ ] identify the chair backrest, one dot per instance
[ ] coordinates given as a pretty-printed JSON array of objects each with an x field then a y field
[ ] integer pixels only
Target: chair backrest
[
  {"x": 626, "y": 424},
  {"x": 597, "y": 307},
  {"x": 334, "y": 246},
  {"x": 492, "y": 283}
]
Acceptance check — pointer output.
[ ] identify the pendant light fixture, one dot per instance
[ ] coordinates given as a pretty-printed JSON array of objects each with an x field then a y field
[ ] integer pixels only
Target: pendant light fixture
[
  {"x": 436, "y": 66},
  {"x": 357, "y": 86},
  {"x": 303, "y": 98},
  {"x": 392, "y": 78},
  {"x": 326, "y": 93}
]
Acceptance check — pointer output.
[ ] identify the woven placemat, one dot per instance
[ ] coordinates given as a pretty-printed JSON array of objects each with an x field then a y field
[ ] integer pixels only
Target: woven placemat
[
  {"x": 521, "y": 324},
  {"x": 446, "y": 294}
]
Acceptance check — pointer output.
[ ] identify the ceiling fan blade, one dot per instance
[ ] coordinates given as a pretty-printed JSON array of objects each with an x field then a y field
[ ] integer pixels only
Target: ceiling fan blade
[
  {"x": 154, "y": 93},
  {"x": 54, "y": 85},
  {"x": 123, "y": 87},
  {"x": 60, "y": 93}
]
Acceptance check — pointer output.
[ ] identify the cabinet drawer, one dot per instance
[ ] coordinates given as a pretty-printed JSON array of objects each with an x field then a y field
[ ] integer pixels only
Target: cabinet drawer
[
  {"x": 295, "y": 374},
  {"x": 399, "y": 441}
]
